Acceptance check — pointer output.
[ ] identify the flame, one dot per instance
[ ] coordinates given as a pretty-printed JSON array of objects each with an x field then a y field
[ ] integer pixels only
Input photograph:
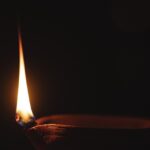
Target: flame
[{"x": 23, "y": 110}]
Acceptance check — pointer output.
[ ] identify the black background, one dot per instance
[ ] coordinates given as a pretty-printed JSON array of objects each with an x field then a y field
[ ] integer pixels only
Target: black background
[{"x": 80, "y": 58}]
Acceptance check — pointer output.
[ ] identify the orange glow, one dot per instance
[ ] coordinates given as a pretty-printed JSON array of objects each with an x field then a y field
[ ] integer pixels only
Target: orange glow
[{"x": 23, "y": 110}]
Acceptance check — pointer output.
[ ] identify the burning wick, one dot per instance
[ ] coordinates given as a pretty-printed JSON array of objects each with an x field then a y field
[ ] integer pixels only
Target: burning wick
[{"x": 24, "y": 114}]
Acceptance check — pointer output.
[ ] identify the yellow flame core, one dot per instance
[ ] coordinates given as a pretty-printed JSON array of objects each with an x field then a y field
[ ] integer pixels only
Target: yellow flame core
[{"x": 24, "y": 112}]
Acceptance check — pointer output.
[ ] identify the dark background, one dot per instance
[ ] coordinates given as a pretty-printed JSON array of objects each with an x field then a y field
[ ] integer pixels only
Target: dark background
[{"x": 80, "y": 58}]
